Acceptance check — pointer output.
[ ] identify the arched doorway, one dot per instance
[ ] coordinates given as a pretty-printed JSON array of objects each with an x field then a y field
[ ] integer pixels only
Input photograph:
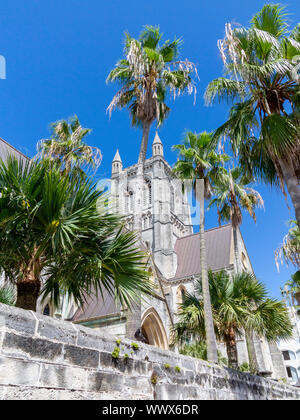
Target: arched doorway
[{"x": 153, "y": 329}]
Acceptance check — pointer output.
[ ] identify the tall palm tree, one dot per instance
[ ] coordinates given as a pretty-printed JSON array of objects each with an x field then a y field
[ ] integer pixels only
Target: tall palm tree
[
  {"x": 289, "y": 251},
  {"x": 262, "y": 84},
  {"x": 67, "y": 147},
  {"x": 147, "y": 74},
  {"x": 238, "y": 302},
  {"x": 292, "y": 289},
  {"x": 232, "y": 194},
  {"x": 198, "y": 162},
  {"x": 55, "y": 228}
]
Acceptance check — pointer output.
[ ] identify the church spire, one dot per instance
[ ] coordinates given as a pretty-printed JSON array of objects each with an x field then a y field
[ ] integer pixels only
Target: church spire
[
  {"x": 117, "y": 164},
  {"x": 157, "y": 146}
]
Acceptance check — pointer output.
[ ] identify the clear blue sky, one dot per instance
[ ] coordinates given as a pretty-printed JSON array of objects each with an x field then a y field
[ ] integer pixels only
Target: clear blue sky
[{"x": 58, "y": 54}]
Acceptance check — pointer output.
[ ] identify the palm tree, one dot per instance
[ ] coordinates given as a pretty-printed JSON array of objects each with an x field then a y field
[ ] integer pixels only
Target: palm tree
[
  {"x": 261, "y": 83},
  {"x": 232, "y": 195},
  {"x": 238, "y": 302},
  {"x": 292, "y": 289},
  {"x": 289, "y": 251},
  {"x": 7, "y": 295},
  {"x": 56, "y": 228},
  {"x": 199, "y": 351},
  {"x": 147, "y": 73},
  {"x": 67, "y": 147},
  {"x": 198, "y": 162}
]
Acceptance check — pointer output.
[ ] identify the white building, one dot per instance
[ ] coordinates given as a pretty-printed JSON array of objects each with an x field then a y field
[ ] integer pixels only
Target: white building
[{"x": 291, "y": 348}]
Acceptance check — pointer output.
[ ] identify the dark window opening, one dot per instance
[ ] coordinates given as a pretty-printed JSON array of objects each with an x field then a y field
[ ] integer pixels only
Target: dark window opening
[
  {"x": 286, "y": 355},
  {"x": 46, "y": 310}
]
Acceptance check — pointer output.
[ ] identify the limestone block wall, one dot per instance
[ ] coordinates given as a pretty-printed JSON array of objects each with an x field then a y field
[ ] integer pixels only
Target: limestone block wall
[{"x": 45, "y": 358}]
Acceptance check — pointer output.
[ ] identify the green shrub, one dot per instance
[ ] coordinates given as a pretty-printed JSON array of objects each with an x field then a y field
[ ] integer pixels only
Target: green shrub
[
  {"x": 154, "y": 378},
  {"x": 135, "y": 346},
  {"x": 244, "y": 367},
  {"x": 199, "y": 351},
  {"x": 116, "y": 353}
]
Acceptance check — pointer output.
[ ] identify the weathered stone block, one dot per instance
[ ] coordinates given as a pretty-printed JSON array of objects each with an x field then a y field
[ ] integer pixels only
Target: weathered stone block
[
  {"x": 112, "y": 382},
  {"x": 106, "y": 361},
  {"x": 18, "y": 372},
  {"x": 35, "y": 348},
  {"x": 203, "y": 379},
  {"x": 94, "y": 339},
  {"x": 80, "y": 356},
  {"x": 16, "y": 319},
  {"x": 64, "y": 377},
  {"x": 137, "y": 383},
  {"x": 55, "y": 329},
  {"x": 94, "y": 381},
  {"x": 166, "y": 392}
]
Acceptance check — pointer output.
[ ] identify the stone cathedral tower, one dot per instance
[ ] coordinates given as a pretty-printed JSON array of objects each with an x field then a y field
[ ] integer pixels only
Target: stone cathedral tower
[{"x": 154, "y": 204}]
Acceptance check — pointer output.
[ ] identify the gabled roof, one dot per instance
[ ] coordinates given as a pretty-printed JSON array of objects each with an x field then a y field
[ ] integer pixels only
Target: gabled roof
[
  {"x": 97, "y": 307},
  {"x": 7, "y": 150},
  {"x": 218, "y": 249}
]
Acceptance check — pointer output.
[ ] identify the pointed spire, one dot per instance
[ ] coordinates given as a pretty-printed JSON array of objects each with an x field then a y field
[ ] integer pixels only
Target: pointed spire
[
  {"x": 157, "y": 139},
  {"x": 157, "y": 146},
  {"x": 117, "y": 157},
  {"x": 117, "y": 165}
]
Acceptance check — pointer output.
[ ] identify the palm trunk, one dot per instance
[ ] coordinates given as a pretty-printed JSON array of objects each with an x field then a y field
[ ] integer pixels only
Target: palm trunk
[
  {"x": 293, "y": 187},
  {"x": 230, "y": 341},
  {"x": 253, "y": 364},
  {"x": 28, "y": 290},
  {"x": 145, "y": 138},
  {"x": 236, "y": 250},
  {"x": 212, "y": 353}
]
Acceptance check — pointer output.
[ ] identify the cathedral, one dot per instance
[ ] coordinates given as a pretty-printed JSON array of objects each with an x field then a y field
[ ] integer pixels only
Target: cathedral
[{"x": 154, "y": 204}]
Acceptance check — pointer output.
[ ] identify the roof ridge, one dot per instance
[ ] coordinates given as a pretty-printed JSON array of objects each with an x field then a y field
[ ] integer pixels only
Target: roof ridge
[
  {"x": 207, "y": 230},
  {"x": 13, "y": 147}
]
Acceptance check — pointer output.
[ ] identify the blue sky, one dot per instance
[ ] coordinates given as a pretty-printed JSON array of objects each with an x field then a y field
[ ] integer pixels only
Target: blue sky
[{"x": 58, "y": 54}]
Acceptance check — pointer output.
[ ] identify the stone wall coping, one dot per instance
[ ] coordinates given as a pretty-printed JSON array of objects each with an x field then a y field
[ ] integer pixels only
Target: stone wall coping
[{"x": 37, "y": 351}]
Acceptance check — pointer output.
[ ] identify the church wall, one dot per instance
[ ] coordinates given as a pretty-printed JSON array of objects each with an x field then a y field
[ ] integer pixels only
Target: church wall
[
  {"x": 160, "y": 308},
  {"x": 118, "y": 329},
  {"x": 44, "y": 358},
  {"x": 189, "y": 287}
]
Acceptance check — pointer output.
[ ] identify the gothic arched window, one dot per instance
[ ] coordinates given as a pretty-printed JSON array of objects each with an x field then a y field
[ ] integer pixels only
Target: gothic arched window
[
  {"x": 148, "y": 192},
  {"x": 181, "y": 293},
  {"x": 46, "y": 310},
  {"x": 130, "y": 201},
  {"x": 172, "y": 198}
]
